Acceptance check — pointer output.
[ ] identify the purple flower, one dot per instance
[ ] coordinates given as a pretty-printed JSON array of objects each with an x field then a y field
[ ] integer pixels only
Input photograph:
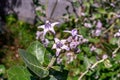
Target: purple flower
[
  {"x": 105, "y": 56},
  {"x": 39, "y": 35},
  {"x": 73, "y": 44},
  {"x": 59, "y": 60},
  {"x": 59, "y": 45},
  {"x": 99, "y": 25},
  {"x": 48, "y": 27},
  {"x": 87, "y": 25},
  {"x": 74, "y": 32},
  {"x": 96, "y": 32},
  {"x": 93, "y": 48},
  {"x": 45, "y": 42}
]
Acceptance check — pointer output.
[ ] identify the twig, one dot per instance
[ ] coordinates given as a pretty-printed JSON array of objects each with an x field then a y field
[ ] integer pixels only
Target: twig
[
  {"x": 51, "y": 62},
  {"x": 93, "y": 66},
  {"x": 116, "y": 50}
]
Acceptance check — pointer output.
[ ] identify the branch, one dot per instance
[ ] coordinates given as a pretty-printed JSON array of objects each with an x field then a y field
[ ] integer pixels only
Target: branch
[
  {"x": 95, "y": 64},
  {"x": 51, "y": 62},
  {"x": 91, "y": 67}
]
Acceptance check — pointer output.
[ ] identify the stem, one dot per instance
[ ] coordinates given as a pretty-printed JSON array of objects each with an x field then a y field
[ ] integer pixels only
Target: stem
[
  {"x": 95, "y": 64},
  {"x": 116, "y": 50},
  {"x": 51, "y": 62},
  {"x": 91, "y": 67},
  {"x": 109, "y": 28}
]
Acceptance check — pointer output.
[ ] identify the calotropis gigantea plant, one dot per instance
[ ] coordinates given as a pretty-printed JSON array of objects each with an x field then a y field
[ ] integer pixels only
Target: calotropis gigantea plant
[
  {"x": 87, "y": 50},
  {"x": 45, "y": 56},
  {"x": 41, "y": 60}
]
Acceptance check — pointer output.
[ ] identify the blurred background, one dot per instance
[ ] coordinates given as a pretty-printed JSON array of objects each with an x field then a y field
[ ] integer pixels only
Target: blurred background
[{"x": 19, "y": 20}]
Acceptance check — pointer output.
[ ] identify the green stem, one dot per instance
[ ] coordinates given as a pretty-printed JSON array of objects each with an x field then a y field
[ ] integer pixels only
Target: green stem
[
  {"x": 91, "y": 67},
  {"x": 51, "y": 62}
]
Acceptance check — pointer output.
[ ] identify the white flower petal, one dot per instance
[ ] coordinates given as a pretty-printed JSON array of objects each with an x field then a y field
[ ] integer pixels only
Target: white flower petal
[
  {"x": 45, "y": 31},
  {"x": 74, "y": 32},
  {"x": 42, "y": 26},
  {"x": 52, "y": 30},
  {"x": 38, "y": 34},
  {"x": 56, "y": 40},
  {"x": 65, "y": 47},
  {"x": 67, "y": 31},
  {"x": 58, "y": 52},
  {"x": 63, "y": 41},
  {"x": 53, "y": 24},
  {"x": 54, "y": 46},
  {"x": 47, "y": 21}
]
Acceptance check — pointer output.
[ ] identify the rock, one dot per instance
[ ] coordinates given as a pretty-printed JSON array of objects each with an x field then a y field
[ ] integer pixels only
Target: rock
[
  {"x": 61, "y": 7},
  {"x": 25, "y": 11}
]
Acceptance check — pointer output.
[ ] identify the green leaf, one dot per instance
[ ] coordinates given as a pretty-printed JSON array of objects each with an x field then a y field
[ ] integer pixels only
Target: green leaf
[
  {"x": 33, "y": 64},
  {"x": 113, "y": 41},
  {"x": 94, "y": 40},
  {"x": 2, "y": 69},
  {"x": 37, "y": 49},
  {"x": 52, "y": 78},
  {"x": 96, "y": 15},
  {"x": 99, "y": 51},
  {"x": 18, "y": 73},
  {"x": 87, "y": 62},
  {"x": 57, "y": 68},
  {"x": 102, "y": 10}
]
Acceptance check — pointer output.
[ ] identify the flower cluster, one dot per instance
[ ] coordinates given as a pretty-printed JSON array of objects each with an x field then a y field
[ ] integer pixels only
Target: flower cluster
[{"x": 67, "y": 46}]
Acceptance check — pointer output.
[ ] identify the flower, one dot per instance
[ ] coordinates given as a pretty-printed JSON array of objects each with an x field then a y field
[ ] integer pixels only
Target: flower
[
  {"x": 99, "y": 25},
  {"x": 48, "y": 27},
  {"x": 74, "y": 32},
  {"x": 39, "y": 35},
  {"x": 93, "y": 48},
  {"x": 75, "y": 39},
  {"x": 87, "y": 25},
  {"x": 59, "y": 60},
  {"x": 105, "y": 56},
  {"x": 96, "y": 32},
  {"x": 59, "y": 45},
  {"x": 45, "y": 42},
  {"x": 73, "y": 44},
  {"x": 117, "y": 34}
]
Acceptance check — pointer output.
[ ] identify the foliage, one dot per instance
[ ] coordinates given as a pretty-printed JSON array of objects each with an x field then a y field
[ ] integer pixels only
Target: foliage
[{"x": 98, "y": 58}]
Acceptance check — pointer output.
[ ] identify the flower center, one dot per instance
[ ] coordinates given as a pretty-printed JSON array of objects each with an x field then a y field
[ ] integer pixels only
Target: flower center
[
  {"x": 59, "y": 44},
  {"x": 47, "y": 25}
]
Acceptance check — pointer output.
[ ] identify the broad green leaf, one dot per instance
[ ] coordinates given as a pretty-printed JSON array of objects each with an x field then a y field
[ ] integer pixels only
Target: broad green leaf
[
  {"x": 37, "y": 49},
  {"x": 2, "y": 69},
  {"x": 18, "y": 73},
  {"x": 52, "y": 78},
  {"x": 33, "y": 64}
]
